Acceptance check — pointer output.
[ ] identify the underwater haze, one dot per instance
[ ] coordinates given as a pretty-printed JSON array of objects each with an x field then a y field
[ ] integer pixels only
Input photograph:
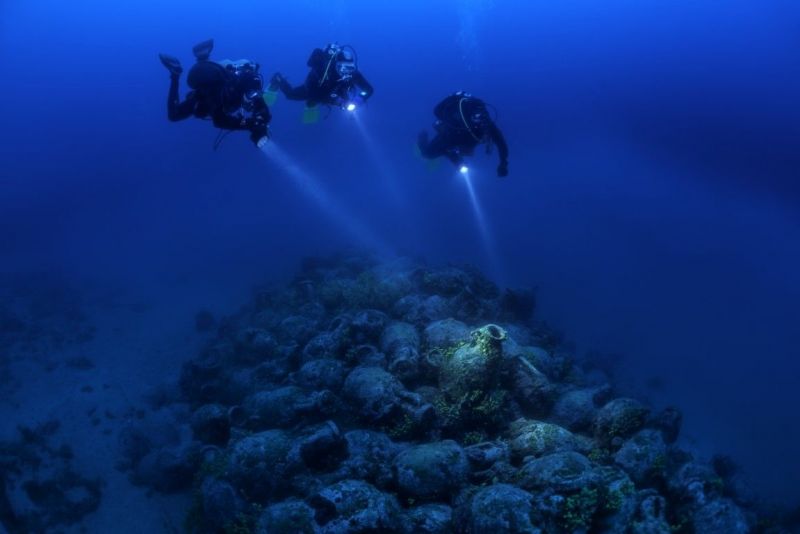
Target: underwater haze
[{"x": 652, "y": 201}]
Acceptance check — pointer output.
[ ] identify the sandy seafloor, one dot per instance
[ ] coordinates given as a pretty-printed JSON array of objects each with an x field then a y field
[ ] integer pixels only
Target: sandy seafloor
[{"x": 141, "y": 340}]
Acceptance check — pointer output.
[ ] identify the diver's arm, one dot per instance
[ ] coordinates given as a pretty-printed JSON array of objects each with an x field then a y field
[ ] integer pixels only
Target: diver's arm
[
  {"x": 261, "y": 111},
  {"x": 363, "y": 85},
  {"x": 229, "y": 122},
  {"x": 257, "y": 124},
  {"x": 177, "y": 110},
  {"x": 502, "y": 148}
]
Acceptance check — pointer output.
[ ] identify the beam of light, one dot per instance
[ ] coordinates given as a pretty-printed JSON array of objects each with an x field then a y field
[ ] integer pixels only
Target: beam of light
[
  {"x": 483, "y": 226},
  {"x": 312, "y": 189},
  {"x": 388, "y": 176}
]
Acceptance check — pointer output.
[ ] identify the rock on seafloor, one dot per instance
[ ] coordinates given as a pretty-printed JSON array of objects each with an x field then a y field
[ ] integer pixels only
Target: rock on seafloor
[{"x": 402, "y": 398}]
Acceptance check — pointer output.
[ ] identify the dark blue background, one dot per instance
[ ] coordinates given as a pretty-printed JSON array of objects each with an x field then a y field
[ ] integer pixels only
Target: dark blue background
[{"x": 653, "y": 194}]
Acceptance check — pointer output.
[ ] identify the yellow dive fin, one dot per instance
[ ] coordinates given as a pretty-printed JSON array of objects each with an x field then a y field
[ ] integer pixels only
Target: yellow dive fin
[
  {"x": 270, "y": 96},
  {"x": 311, "y": 115}
]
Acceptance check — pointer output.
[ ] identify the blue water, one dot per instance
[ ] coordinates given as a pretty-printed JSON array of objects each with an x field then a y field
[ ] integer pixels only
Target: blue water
[{"x": 653, "y": 193}]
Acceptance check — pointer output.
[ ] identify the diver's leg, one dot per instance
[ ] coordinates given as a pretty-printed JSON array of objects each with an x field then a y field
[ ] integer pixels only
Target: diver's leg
[
  {"x": 296, "y": 93},
  {"x": 455, "y": 157},
  {"x": 177, "y": 110},
  {"x": 172, "y": 64},
  {"x": 173, "y": 98},
  {"x": 300, "y": 92},
  {"x": 202, "y": 50},
  {"x": 435, "y": 148}
]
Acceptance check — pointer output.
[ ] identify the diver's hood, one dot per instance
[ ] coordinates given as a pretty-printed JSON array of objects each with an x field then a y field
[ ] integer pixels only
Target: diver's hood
[{"x": 205, "y": 75}]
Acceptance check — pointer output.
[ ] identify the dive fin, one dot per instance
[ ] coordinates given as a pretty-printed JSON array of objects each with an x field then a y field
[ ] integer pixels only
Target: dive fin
[
  {"x": 270, "y": 96},
  {"x": 311, "y": 115},
  {"x": 172, "y": 64},
  {"x": 203, "y": 50}
]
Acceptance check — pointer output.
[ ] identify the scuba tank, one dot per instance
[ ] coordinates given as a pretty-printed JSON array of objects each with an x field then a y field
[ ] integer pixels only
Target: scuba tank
[{"x": 244, "y": 71}]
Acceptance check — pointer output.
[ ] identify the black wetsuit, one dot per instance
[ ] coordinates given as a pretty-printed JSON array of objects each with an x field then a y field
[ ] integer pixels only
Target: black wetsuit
[
  {"x": 323, "y": 84},
  {"x": 223, "y": 103},
  {"x": 463, "y": 122}
]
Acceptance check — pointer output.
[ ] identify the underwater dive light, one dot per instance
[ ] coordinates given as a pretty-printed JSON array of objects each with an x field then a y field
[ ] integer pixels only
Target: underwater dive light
[
  {"x": 261, "y": 142},
  {"x": 351, "y": 107},
  {"x": 463, "y": 169}
]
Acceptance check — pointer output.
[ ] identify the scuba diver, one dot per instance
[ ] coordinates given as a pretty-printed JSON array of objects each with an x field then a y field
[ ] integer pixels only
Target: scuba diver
[
  {"x": 334, "y": 80},
  {"x": 230, "y": 93},
  {"x": 462, "y": 123}
]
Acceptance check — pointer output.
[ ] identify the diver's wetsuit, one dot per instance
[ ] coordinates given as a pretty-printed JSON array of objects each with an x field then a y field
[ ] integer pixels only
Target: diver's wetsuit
[
  {"x": 463, "y": 123},
  {"x": 223, "y": 104},
  {"x": 323, "y": 84}
]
